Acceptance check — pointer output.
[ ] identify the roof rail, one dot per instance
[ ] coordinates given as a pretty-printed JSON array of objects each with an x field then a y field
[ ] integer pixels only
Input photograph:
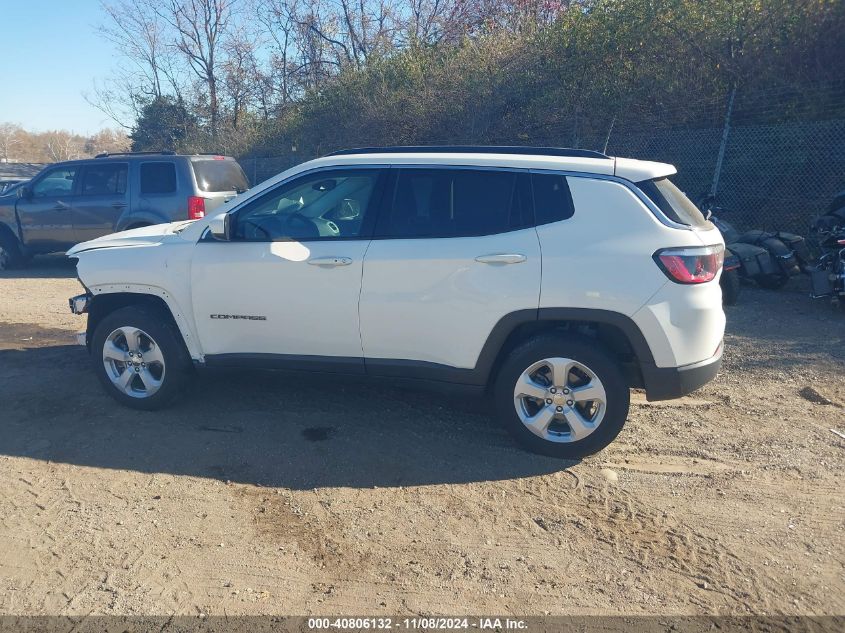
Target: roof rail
[
  {"x": 165, "y": 152},
  {"x": 473, "y": 149}
]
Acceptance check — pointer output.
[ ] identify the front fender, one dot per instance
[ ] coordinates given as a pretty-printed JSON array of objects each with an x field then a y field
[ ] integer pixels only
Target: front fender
[
  {"x": 183, "y": 321},
  {"x": 9, "y": 219}
]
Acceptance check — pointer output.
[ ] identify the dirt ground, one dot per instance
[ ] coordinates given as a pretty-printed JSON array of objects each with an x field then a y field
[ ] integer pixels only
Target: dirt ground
[{"x": 260, "y": 493}]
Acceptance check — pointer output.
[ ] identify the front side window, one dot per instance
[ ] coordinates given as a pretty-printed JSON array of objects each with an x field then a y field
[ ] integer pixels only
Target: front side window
[
  {"x": 673, "y": 202},
  {"x": 100, "y": 180},
  {"x": 323, "y": 205},
  {"x": 158, "y": 177},
  {"x": 456, "y": 203},
  {"x": 56, "y": 182}
]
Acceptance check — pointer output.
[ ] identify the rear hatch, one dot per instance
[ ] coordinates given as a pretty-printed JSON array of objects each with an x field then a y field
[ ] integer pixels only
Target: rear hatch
[{"x": 218, "y": 179}]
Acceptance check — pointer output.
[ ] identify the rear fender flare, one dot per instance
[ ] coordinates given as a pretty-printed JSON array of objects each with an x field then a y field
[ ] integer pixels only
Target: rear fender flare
[
  {"x": 130, "y": 218},
  {"x": 507, "y": 325}
]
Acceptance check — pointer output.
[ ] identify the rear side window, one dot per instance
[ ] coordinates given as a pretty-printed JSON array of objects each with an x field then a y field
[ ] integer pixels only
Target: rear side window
[
  {"x": 219, "y": 175},
  {"x": 552, "y": 199},
  {"x": 158, "y": 177},
  {"x": 455, "y": 203},
  {"x": 103, "y": 180},
  {"x": 673, "y": 202}
]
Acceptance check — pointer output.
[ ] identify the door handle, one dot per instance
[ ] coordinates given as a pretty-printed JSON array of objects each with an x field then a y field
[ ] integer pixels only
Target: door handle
[
  {"x": 118, "y": 205},
  {"x": 330, "y": 262},
  {"x": 501, "y": 258},
  {"x": 61, "y": 206}
]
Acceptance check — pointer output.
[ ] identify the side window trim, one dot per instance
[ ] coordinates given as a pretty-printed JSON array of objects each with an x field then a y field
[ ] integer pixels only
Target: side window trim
[
  {"x": 392, "y": 188},
  {"x": 370, "y": 216}
]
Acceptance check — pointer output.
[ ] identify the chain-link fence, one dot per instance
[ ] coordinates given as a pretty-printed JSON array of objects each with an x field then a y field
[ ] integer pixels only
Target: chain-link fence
[
  {"x": 774, "y": 176},
  {"x": 771, "y": 177}
]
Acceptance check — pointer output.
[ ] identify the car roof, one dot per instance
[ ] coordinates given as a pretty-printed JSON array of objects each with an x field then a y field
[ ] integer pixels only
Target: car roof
[
  {"x": 554, "y": 159},
  {"x": 123, "y": 157}
]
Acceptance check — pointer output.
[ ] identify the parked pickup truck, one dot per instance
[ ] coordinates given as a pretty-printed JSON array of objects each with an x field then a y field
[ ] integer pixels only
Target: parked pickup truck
[{"x": 80, "y": 200}]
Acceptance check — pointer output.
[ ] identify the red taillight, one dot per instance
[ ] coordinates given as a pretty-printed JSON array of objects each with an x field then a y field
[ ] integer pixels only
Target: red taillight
[
  {"x": 691, "y": 265},
  {"x": 196, "y": 208}
]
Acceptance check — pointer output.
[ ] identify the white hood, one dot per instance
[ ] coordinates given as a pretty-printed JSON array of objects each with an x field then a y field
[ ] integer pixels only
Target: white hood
[{"x": 143, "y": 236}]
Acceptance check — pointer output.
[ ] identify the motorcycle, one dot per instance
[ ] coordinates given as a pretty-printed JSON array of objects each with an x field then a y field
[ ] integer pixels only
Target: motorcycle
[
  {"x": 767, "y": 258},
  {"x": 730, "y": 281},
  {"x": 827, "y": 276}
]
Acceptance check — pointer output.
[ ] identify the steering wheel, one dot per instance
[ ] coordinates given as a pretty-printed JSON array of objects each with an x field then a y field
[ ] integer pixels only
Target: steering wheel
[
  {"x": 293, "y": 225},
  {"x": 297, "y": 222}
]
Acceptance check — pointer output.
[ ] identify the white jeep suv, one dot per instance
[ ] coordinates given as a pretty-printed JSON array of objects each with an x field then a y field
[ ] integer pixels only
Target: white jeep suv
[{"x": 552, "y": 279}]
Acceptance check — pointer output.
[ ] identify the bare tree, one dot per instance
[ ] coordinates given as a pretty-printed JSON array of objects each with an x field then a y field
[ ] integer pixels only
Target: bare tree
[
  {"x": 201, "y": 28},
  {"x": 137, "y": 34},
  {"x": 62, "y": 145},
  {"x": 107, "y": 140},
  {"x": 140, "y": 37},
  {"x": 282, "y": 82},
  {"x": 9, "y": 138}
]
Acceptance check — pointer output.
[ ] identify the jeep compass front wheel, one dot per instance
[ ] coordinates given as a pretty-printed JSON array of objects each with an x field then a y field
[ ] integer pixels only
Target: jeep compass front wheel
[
  {"x": 139, "y": 357},
  {"x": 562, "y": 396}
]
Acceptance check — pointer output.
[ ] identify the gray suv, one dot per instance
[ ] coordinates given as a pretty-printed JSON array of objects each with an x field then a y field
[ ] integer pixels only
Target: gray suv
[{"x": 77, "y": 201}]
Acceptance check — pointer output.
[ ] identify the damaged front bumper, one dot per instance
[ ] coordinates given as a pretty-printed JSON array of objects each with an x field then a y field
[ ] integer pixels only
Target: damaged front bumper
[{"x": 80, "y": 303}]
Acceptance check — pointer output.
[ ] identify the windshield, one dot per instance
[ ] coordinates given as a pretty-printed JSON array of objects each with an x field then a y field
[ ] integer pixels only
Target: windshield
[
  {"x": 673, "y": 202},
  {"x": 219, "y": 175}
]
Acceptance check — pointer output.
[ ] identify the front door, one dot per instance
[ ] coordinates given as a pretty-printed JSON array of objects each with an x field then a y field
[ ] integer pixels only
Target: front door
[
  {"x": 102, "y": 200},
  {"x": 286, "y": 286},
  {"x": 46, "y": 214}
]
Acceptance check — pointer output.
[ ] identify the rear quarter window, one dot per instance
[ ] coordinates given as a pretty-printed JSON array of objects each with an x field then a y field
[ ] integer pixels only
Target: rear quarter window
[
  {"x": 673, "y": 202},
  {"x": 219, "y": 175},
  {"x": 552, "y": 198}
]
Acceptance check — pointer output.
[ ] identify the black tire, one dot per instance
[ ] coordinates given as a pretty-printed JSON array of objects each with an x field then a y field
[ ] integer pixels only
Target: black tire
[
  {"x": 159, "y": 328},
  {"x": 731, "y": 285},
  {"x": 772, "y": 282},
  {"x": 583, "y": 350},
  {"x": 10, "y": 252}
]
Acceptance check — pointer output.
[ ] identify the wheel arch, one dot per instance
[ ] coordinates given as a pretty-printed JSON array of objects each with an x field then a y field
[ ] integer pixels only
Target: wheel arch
[
  {"x": 9, "y": 232},
  {"x": 614, "y": 330},
  {"x": 106, "y": 302},
  {"x": 134, "y": 219}
]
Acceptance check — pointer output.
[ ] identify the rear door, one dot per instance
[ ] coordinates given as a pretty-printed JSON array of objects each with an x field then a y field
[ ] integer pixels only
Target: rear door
[
  {"x": 46, "y": 216},
  {"x": 103, "y": 198},
  {"x": 455, "y": 250}
]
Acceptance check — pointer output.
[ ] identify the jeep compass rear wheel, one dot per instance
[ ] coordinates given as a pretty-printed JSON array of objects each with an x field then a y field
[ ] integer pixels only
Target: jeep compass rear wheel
[
  {"x": 139, "y": 357},
  {"x": 562, "y": 396}
]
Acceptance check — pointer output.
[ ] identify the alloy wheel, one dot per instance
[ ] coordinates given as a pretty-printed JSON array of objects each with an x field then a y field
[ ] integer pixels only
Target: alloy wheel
[
  {"x": 560, "y": 399},
  {"x": 134, "y": 362}
]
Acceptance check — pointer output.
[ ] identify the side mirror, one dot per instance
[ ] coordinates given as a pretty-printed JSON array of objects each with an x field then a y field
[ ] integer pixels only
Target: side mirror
[{"x": 220, "y": 227}]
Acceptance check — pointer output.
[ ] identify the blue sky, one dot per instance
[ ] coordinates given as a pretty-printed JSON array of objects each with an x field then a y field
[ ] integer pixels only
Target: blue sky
[{"x": 50, "y": 53}]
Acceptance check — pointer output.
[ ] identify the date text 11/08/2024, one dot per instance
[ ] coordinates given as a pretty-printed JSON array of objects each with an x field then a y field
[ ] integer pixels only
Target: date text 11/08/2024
[{"x": 485, "y": 624}]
